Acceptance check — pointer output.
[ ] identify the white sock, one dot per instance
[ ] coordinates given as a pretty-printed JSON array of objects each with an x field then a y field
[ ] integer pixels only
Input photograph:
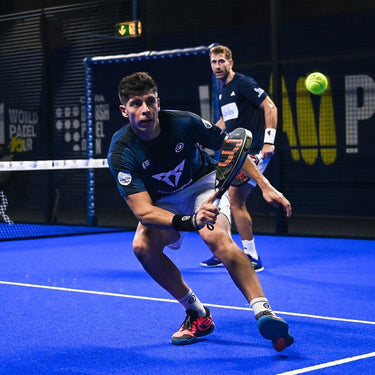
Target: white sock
[
  {"x": 249, "y": 248},
  {"x": 191, "y": 301},
  {"x": 260, "y": 305}
]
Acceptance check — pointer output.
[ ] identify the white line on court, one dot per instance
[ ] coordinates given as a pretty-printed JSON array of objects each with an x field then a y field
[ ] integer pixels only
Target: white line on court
[
  {"x": 328, "y": 364},
  {"x": 85, "y": 291}
]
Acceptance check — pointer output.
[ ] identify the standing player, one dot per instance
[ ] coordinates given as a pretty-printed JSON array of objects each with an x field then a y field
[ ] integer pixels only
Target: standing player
[
  {"x": 244, "y": 104},
  {"x": 168, "y": 181}
]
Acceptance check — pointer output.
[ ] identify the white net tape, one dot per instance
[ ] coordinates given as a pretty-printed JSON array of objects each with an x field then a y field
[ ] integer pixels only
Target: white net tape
[{"x": 52, "y": 164}]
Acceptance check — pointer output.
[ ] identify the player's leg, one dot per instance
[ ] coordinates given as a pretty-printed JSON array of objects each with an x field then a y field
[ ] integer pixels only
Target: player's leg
[
  {"x": 244, "y": 224},
  {"x": 244, "y": 276},
  {"x": 220, "y": 242},
  {"x": 148, "y": 246},
  {"x": 241, "y": 215}
]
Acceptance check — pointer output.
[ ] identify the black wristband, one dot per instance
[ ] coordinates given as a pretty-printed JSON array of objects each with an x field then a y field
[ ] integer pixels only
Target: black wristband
[{"x": 185, "y": 223}]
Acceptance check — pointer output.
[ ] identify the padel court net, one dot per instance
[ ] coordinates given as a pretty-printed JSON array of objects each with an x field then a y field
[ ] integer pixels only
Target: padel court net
[{"x": 54, "y": 197}]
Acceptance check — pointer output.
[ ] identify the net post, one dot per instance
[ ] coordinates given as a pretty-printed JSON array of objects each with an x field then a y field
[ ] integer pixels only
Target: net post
[{"x": 91, "y": 212}]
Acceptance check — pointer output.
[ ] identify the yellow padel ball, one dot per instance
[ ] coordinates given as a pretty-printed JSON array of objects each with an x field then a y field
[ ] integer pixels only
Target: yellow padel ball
[{"x": 316, "y": 83}]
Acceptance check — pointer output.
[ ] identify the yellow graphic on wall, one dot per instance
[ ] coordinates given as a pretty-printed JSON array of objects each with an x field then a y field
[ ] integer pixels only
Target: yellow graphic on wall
[
  {"x": 17, "y": 144},
  {"x": 314, "y": 133}
]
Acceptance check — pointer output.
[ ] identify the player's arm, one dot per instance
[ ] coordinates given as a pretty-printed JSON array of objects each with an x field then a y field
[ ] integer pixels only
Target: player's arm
[
  {"x": 270, "y": 117},
  {"x": 150, "y": 215},
  {"x": 221, "y": 123},
  {"x": 270, "y": 194}
]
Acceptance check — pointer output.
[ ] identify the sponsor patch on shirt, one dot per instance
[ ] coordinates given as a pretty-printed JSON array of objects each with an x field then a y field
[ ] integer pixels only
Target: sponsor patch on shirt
[
  {"x": 124, "y": 178},
  {"x": 179, "y": 147},
  {"x": 229, "y": 111},
  {"x": 207, "y": 124},
  {"x": 259, "y": 91}
]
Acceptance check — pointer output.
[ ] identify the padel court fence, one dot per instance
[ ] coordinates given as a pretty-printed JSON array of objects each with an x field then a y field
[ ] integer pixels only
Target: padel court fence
[{"x": 53, "y": 108}]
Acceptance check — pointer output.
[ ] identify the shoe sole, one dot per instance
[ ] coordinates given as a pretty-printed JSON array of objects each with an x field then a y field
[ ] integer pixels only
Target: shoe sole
[
  {"x": 177, "y": 341},
  {"x": 211, "y": 266},
  {"x": 222, "y": 265},
  {"x": 276, "y": 330},
  {"x": 259, "y": 269}
]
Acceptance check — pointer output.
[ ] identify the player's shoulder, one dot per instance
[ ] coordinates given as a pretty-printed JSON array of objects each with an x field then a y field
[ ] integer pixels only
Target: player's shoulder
[
  {"x": 124, "y": 144},
  {"x": 172, "y": 114},
  {"x": 178, "y": 117},
  {"x": 123, "y": 135},
  {"x": 249, "y": 87},
  {"x": 245, "y": 79}
]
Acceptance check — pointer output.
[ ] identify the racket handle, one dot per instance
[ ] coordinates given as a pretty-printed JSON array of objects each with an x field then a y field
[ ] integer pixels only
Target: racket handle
[{"x": 216, "y": 203}]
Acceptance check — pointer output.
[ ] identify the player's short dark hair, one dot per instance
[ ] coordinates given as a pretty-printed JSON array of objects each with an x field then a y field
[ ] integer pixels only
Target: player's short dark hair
[
  {"x": 138, "y": 83},
  {"x": 221, "y": 49}
]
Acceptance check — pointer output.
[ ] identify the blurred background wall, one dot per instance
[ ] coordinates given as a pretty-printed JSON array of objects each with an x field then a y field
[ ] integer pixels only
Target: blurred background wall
[{"x": 324, "y": 162}]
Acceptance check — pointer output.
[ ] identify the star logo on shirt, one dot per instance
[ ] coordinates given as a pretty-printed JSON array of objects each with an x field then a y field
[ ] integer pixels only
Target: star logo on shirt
[{"x": 172, "y": 177}]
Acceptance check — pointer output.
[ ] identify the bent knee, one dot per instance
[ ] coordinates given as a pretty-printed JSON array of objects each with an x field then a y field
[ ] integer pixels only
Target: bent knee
[
  {"x": 141, "y": 250},
  {"x": 218, "y": 237}
]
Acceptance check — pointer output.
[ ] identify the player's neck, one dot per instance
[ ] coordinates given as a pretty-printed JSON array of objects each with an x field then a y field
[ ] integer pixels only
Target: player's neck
[
  {"x": 228, "y": 78},
  {"x": 149, "y": 134}
]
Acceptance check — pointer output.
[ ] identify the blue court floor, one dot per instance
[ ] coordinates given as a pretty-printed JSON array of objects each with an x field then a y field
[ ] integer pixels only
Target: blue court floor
[{"x": 84, "y": 305}]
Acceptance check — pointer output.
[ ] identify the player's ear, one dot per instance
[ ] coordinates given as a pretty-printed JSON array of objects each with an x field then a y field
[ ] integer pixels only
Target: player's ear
[
  {"x": 123, "y": 110},
  {"x": 158, "y": 102}
]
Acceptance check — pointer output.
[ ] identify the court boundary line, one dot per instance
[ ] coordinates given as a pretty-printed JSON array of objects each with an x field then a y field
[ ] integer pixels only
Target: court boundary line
[
  {"x": 328, "y": 364},
  {"x": 120, "y": 295}
]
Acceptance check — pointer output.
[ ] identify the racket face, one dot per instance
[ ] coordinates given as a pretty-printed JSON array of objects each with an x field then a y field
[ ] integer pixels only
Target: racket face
[
  {"x": 232, "y": 157},
  {"x": 242, "y": 178}
]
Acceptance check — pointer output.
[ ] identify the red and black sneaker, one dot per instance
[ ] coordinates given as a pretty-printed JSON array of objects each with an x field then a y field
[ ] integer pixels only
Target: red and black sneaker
[{"x": 194, "y": 326}]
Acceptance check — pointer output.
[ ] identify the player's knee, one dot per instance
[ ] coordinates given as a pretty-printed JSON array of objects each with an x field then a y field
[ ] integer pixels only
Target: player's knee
[
  {"x": 217, "y": 238},
  {"x": 141, "y": 250},
  {"x": 238, "y": 209}
]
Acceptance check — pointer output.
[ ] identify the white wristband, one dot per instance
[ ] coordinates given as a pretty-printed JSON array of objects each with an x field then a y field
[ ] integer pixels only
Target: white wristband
[{"x": 269, "y": 136}]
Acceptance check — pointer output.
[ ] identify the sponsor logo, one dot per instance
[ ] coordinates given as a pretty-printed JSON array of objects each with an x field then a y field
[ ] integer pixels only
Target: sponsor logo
[
  {"x": 124, "y": 178},
  {"x": 172, "y": 177},
  {"x": 192, "y": 299},
  {"x": 207, "y": 124},
  {"x": 229, "y": 111},
  {"x": 146, "y": 164},
  {"x": 311, "y": 131},
  {"x": 179, "y": 147},
  {"x": 259, "y": 91}
]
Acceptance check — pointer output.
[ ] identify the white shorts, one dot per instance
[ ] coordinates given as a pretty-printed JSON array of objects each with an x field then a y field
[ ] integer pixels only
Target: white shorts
[{"x": 189, "y": 200}]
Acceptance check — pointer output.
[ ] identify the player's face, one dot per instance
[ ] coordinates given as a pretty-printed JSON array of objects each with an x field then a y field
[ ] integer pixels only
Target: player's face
[
  {"x": 220, "y": 66},
  {"x": 142, "y": 112}
]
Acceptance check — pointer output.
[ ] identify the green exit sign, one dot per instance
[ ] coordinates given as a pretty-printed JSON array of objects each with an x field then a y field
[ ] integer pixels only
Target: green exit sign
[{"x": 131, "y": 28}]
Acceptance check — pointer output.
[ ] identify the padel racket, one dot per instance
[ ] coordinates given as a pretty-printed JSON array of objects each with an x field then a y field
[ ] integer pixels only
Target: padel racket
[
  {"x": 242, "y": 178},
  {"x": 232, "y": 158}
]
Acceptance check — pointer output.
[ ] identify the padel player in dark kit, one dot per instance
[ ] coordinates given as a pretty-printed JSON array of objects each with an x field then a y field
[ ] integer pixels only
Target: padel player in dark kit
[{"x": 168, "y": 182}]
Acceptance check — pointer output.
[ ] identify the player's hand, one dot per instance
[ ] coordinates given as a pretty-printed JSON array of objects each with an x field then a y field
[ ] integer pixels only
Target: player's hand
[
  {"x": 208, "y": 212},
  {"x": 267, "y": 151},
  {"x": 276, "y": 199}
]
